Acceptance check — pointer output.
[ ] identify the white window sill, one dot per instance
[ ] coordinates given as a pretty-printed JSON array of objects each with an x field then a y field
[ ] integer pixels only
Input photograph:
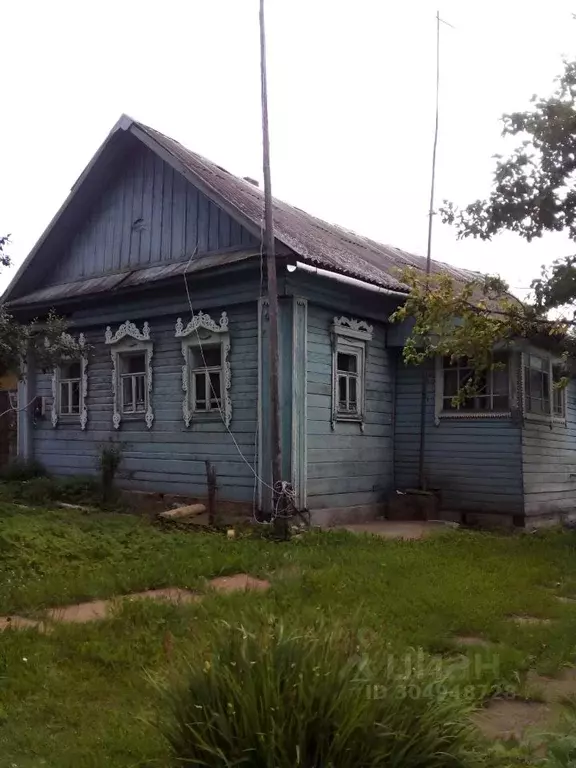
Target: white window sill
[
  {"x": 542, "y": 418},
  {"x": 349, "y": 417},
  {"x": 474, "y": 415}
]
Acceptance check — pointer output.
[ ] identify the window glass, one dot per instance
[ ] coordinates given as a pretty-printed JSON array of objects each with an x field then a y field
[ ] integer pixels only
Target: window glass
[
  {"x": 207, "y": 357},
  {"x": 70, "y": 371},
  {"x": 133, "y": 363},
  {"x": 490, "y": 388}
]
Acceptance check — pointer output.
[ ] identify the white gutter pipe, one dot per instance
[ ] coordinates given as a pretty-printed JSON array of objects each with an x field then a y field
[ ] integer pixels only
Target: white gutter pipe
[{"x": 345, "y": 279}]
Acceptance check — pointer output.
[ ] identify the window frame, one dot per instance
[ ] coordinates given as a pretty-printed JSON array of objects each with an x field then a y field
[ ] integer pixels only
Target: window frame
[
  {"x": 350, "y": 337},
  {"x": 133, "y": 377},
  {"x": 57, "y": 380},
  {"x": 205, "y": 371},
  {"x": 550, "y": 364},
  {"x": 203, "y": 333},
  {"x": 442, "y": 413},
  {"x": 128, "y": 340}
]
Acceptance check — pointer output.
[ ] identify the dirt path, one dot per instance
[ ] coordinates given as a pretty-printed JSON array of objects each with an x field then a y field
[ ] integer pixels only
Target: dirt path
[{"x": 79, "y": 613}]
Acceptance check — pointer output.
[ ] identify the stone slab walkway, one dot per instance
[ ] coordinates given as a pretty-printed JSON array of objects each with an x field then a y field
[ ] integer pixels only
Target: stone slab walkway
[{"x": 80, "y": 613}]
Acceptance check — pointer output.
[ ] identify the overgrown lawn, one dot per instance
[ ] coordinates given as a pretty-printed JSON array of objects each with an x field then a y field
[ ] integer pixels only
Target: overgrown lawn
[{"x": 84, "y": 695}]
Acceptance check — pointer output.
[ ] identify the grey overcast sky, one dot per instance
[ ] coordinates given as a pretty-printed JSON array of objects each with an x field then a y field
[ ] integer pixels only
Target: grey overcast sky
[{"x": 351, "y": 103}]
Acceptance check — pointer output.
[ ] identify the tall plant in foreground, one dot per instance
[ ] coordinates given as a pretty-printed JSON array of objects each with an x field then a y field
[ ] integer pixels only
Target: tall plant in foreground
[{"x": 283, "y": 699}]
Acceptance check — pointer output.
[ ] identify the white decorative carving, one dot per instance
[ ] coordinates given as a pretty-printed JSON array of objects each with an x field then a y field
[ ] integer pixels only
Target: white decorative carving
[
  {"x": 203, "y": 320},
  {"x": 68, "y": 339},
  {"x": 348, "y": 326},
  {"x": 149, "y": 417},
  {"x": 83, "y": 382},
  {"x": 352, "y": 334},
  {"x": 120, "y": 343},
  {"x": 127, "y": 329},
  {"x": 55, "y": 399}
]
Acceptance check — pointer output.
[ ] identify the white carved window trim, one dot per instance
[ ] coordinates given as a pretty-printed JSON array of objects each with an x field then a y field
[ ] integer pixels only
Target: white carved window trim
[
  {"x": 549, "y": 364},
  {"x": 441, "y": 413},
  {"x": 128, "y": 339},
  {"x": 202, "y": 330},
  {"x": 350, "y": 336},
  {"x": 56, "y": 377}
]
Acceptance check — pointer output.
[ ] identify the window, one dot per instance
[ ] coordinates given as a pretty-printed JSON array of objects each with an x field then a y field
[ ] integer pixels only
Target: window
[
  {"x": 133, "y": 382},
  {"x": 206, "y": 370},
  {"x": 348, "y": 374},
  {"x": 70, "y": 385},
  {"x": 542, "y": 396},
  {"x": 131, "y": 350},
  {"x": 491, "y": 390},
  {"x": 70, "y": 381},
  {"x": 206, "y": 373},
  {"x": 349, "y": 338}
]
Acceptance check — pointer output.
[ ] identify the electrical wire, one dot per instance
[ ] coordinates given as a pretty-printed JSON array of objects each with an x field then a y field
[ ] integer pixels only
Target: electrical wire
[{"x": 285, "y": 490}]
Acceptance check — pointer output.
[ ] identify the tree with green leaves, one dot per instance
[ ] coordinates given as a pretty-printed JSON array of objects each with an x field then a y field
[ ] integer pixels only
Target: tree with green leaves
[
  {"x": 533, "y": 192},
  {"x": 48, "y": 339}
]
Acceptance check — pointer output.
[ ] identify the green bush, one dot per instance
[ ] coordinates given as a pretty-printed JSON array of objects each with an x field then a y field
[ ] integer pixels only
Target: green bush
[
  {"x": 284, "y": 699},
  {"x": 19, "y": 470}
]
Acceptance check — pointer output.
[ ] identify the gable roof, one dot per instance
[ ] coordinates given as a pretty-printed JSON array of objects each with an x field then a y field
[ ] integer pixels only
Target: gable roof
[{"x": 311, "y": 239}]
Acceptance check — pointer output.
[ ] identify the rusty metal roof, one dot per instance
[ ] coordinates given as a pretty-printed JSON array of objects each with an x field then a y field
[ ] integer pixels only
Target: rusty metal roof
[
  {"x": 315, "y": 241},
  {"x": 129, "y": 279}
]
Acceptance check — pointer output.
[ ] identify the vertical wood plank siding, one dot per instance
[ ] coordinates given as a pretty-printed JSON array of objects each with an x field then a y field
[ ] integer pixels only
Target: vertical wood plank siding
[
  {"x": 169, "y": 457},
  {"x": 475, "y": 463},
  {"x": 549, "y": 463},
  {"x": 345, "y": 466},
  {"x": 148, "y": 215}
]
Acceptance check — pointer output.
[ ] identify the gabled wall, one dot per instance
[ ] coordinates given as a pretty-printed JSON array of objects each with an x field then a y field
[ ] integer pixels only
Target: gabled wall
[{"x": 149, "y": 214}]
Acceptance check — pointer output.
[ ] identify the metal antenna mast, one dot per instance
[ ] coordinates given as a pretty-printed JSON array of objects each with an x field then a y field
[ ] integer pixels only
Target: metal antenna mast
[{"x": 424, "y": 390}]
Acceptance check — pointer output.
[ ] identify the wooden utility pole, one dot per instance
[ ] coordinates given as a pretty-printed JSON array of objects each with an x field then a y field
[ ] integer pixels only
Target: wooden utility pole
[{"x": 275, "y": 444}]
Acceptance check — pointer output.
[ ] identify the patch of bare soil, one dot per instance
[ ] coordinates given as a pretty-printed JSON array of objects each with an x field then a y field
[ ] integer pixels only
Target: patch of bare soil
[
  {"x": 94, "y": 610},
  {"x": 530, "y": 620},
  {"x": 472, "y": 641},
  {"x": 553, "y": 689},
  {"x": 80, "y": 612},
  {"x": 99, "y": 609},
  {"x": 20, "y": 622},
  {"x": 511, "y": 719},
  {"x": 506, "y": 719},
  {"x": 240, "y": 582}
]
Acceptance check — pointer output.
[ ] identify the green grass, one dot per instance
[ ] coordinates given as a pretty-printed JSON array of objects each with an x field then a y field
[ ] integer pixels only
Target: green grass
[{"x": 85, "y": 695}]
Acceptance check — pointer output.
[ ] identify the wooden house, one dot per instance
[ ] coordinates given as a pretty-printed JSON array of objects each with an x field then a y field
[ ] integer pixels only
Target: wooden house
[{"x": 155, "y": 258}]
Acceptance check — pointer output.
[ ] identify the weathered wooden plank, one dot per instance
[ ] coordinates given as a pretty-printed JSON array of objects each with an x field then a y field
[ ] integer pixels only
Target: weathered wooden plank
[
  {"x": 166, "y": 208},
  {"x": 347, "y": 461},
  {"x": 169, "y": 449}
]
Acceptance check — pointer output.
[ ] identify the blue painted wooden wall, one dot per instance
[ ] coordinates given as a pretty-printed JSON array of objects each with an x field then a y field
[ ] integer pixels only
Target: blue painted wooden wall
[
  {"x": 347, "y": 467},
  {"x": 148, "y": 215},
  {"x": 169, "y": 457},
  {"x": 476, "y": 463},
  {"x": 549, "y": 463}
]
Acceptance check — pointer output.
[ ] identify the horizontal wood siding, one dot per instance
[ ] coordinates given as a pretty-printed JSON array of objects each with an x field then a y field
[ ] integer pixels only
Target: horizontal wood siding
[
  {"x": 148, "y": 215},
  {"x": 347, "y": 467},
  {"x": 549, "y": 463},
  {"x": 169, "y": 457},
  {"x": 474, "y": 463}
]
